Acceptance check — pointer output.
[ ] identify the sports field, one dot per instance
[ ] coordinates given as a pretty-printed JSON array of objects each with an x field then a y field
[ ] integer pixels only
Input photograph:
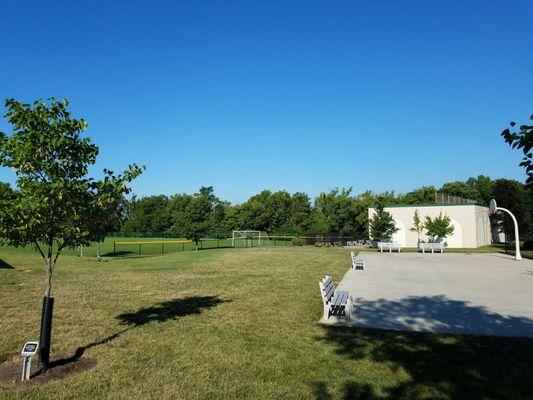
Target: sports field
[{"x": 235, "y": 323}]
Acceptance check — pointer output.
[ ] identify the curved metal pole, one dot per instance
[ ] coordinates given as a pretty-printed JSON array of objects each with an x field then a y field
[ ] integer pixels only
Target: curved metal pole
[{"x": 518, "y": 256}]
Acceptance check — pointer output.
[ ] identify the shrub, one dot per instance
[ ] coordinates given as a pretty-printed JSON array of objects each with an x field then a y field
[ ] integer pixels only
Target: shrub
[
  {"x": 298, "y": 242},
  {"x": 318, "y": 244}
]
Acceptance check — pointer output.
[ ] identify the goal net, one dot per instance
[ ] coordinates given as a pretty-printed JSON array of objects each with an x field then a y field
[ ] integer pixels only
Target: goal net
[{"x": 249, "y": 238}]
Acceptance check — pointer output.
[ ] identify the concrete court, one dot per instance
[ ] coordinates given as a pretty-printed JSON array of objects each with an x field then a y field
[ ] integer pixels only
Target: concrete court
[{"x": 468, "y": 293}]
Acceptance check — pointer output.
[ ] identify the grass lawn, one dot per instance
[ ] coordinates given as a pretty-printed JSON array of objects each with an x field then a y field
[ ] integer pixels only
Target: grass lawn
[{"x": 236, "y": 323}]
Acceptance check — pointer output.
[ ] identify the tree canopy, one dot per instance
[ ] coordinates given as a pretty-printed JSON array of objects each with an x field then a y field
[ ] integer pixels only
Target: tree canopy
[
  {"x": 337, "y": 211},
  {"x": 55, "y": 204}
]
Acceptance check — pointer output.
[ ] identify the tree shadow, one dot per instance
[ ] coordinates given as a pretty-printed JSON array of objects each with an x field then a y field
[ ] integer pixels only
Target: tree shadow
[
  {"x": 170, "y": 310},
  {"x": 159, "y": 313},
  {"x": 438, "y": 314},
  {"x": 117, "y": 253},
  {"x": 350, "y": 390},
  {"x": 5, "y": 265},
  {"x": 451, "y": 366}
]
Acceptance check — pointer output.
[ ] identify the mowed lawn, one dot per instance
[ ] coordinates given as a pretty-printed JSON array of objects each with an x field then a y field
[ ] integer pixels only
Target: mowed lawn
[{"x": 236, "y": 323}]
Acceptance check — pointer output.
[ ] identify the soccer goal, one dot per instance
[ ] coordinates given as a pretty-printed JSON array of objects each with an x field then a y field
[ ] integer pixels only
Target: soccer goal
[{"x": 249, "y": 238}]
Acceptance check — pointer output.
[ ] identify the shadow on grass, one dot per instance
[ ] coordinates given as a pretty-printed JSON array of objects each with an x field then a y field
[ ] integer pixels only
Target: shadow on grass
[
  {"x": 4, "y": 265},
  {"x": 439, "y": 365},
  {"x": 118, "y": 253},
  {"x": 170, "y": 310},
  {"x": 159, "y": 313}
]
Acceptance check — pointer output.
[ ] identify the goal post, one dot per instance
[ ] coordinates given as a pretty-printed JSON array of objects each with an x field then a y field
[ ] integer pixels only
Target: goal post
[{"x": 261, "y": 237}]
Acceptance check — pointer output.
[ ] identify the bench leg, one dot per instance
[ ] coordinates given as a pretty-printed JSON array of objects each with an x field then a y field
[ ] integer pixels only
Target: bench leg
[{"x": 326, "y": 312}]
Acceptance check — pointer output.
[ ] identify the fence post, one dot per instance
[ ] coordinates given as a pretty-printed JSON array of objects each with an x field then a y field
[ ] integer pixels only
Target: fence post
[
  {"x": 114, "y": 248},
  {"x": 140, "y": 248},
  {"x": 162, "y": 248}
]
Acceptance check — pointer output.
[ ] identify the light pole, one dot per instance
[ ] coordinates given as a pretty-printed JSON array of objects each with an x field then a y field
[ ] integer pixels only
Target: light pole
[{"x": 493, "y": 209}]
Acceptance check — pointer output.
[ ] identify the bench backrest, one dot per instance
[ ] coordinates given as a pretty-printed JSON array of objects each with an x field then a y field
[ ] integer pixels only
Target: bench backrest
[
  {"x": 389, "y": 244},
  {"x": 327, "y": 289},
  {"x": 432, "y": 245}
]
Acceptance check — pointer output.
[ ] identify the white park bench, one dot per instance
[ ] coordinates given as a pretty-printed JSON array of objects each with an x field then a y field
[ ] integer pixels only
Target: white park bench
[
  {"x": 357, "y": 262},
  {"x": 337, "y": 303},
  {"x": 432, "y": 247},
  {"x": 390, "y": 246}
]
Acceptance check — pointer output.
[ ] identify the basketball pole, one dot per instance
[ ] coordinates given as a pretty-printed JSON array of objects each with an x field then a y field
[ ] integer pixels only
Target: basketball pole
[{"x": 493, "y": 207}]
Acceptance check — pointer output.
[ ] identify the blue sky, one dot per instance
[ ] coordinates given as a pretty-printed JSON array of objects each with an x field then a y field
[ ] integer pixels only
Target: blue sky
[{"x": 295, "y": 95}]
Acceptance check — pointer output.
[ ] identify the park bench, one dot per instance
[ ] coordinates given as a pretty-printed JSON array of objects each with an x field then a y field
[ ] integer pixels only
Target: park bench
[
  {"x": 390, "y": 246},
  {"x": 432, "y": 247},
  {"x": 337, "y": 303},
  {"x": 357, "y": 262}
]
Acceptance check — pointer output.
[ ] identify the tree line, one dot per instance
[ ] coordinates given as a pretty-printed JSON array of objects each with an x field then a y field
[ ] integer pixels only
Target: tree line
[{"x": 339, "y": 211}]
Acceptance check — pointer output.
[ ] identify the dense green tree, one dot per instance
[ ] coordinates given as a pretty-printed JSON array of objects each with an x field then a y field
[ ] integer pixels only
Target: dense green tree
[
  {"x": 301, "y": 213},
  {"x": 382, "y": 225},
  {"x": 460, "y": 189},
  {"x": 56, "y": 205},
  {"x": 483, "y": 187},
  {"x": 424, "y": 195},
  {"x": 149, "y": 214},
  {"x": 510, "y": 194},
  {"x": 439, "y": 227},
  {"x": 337, "y": 209}
]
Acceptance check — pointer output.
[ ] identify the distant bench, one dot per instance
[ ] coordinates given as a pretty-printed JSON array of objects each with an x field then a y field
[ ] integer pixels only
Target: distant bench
[
  {"x": 357, "y": 262},
  {"x": 432, "y": 247},
  {"x": 390, "y": 246},
  {"x": 338, "y": 303}
]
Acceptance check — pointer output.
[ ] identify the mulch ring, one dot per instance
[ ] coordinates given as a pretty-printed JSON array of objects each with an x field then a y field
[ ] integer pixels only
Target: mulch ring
[{"x": 62, "y": 366}]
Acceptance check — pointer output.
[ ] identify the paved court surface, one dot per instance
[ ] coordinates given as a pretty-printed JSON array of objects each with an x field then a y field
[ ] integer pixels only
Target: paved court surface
[{"x": 490, "y": 294}]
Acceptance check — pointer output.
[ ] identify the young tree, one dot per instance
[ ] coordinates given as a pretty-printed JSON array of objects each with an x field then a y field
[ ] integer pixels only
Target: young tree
[
  {"x": 194, "y": 215},
  {"x": 523, "y": 140},
  {"x": 438, "y": 227},
  {"x": 418, "y": 225},
  {"x": 55, "y": 205},
  {"x": 382, "y": 224}
]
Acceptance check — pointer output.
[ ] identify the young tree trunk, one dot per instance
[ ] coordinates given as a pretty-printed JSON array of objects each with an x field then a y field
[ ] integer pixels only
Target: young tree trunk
[
  {"x": 46, "y": 317},
  {"x": 48, "y": 277}
]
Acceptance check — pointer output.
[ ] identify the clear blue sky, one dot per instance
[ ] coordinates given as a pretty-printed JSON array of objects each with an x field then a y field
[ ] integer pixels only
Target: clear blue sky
[{"x": 295, "y": 95}]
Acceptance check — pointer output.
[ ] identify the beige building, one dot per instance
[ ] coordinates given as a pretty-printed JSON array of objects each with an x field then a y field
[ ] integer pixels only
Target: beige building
[{"x": 471, "y": 223}]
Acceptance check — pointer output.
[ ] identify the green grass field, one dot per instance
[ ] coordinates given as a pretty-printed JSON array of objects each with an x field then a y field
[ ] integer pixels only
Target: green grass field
[{"x": 234, "y": 324}]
